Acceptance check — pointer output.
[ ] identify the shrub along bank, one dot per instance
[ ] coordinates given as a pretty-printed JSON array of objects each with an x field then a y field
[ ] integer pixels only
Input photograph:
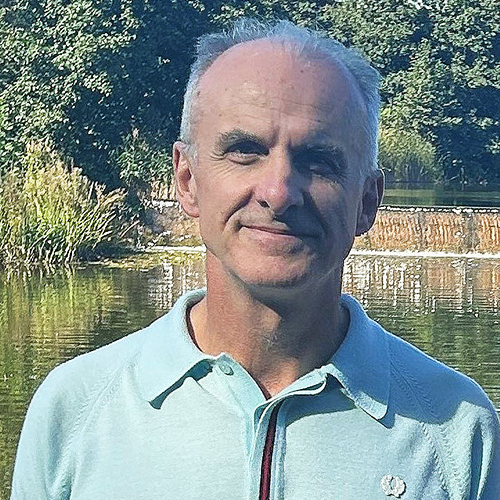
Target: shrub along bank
[{"x": 51, "y": 213}]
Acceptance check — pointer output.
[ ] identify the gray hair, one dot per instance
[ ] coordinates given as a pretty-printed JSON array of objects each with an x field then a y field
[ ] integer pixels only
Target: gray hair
[{"x": 302, "y": 40}]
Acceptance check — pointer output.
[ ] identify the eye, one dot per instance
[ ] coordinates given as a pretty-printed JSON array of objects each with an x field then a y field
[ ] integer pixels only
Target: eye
[
  {"x": 245, "y": 151},
  {"x": 326, "y": 163},
  {"x": 319, "y": 163}
]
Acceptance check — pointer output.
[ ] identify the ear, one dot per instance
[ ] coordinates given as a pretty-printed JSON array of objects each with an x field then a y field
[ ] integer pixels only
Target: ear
[
  {"x": 373, "y": 190},
  {"x": 185, "y": 183}
]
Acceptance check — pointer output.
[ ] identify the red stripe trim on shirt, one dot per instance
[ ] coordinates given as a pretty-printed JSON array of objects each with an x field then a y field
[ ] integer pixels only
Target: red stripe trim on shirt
[{"x": 267, "y": 457}]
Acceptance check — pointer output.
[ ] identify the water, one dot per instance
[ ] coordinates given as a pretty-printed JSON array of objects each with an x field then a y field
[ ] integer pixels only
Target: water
[
  {"x": 446, "y": 306},
  {"x": 431, "y": 195}
]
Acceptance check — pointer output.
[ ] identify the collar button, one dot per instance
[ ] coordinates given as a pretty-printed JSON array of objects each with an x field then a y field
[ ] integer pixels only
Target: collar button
[{"x": 226, "y": 369}]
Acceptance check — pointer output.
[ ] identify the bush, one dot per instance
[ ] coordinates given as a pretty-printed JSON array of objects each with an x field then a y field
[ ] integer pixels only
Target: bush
[
  {"x": 407, "y": 156},
  {"x": 143, "y": 160},
  {"x": 50, "y": 213}
]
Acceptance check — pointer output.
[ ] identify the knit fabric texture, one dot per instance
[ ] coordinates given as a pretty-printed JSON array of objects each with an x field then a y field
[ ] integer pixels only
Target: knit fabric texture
[{"x": 150, "y": 416}]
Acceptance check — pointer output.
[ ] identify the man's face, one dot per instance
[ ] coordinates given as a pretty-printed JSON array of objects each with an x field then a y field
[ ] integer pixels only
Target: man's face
[{"x": 277, "y": 182}]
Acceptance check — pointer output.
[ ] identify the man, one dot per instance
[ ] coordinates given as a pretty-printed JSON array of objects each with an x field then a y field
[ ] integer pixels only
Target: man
[{"x": 271, "y": 384}]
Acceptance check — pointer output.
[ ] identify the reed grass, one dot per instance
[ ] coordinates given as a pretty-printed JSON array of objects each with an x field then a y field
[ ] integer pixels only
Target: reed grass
[
  {"x": 407, "y": 156},
  {"x": 50, "y": 213}
]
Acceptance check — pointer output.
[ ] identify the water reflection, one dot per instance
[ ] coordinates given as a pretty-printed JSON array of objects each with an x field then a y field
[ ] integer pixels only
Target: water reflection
[
  {"x": 435, "y": 195},
  {"x": 447, "y": 306}
]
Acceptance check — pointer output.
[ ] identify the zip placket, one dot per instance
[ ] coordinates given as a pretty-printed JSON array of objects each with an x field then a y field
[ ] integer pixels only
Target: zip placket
[{"x": 267, "y": 456}]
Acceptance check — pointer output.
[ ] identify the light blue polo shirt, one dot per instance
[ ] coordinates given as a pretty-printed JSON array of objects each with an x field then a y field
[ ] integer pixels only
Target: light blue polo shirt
[{"x": 152, "y": 417}]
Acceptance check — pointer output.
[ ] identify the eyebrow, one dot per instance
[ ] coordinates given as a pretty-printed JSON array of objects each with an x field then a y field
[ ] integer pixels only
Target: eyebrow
[
  {"x": 324, "y": 149},
  {"x": 313, "y": 147},
  {"x": 237, "y": 135}
]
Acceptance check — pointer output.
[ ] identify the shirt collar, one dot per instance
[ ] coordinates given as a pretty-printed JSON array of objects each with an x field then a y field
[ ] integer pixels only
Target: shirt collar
[
  {"x": 360, "y": 364},
  {"x": 168, "y": 353}
]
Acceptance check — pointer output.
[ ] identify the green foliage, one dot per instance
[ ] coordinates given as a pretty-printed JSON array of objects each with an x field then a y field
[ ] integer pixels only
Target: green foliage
[
  {"x": 406, "y": 156},
  {"x": 142, "y": 162},
  {"x": 51, "y": 213},
  {"x": 440, "y": 64},
  {"x": 53, "y": 54},
  {"x": 86, "y": 73}
]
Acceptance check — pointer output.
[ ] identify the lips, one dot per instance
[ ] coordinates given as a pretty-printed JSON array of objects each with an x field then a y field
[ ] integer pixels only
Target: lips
[{"x": 282, "y": 230}]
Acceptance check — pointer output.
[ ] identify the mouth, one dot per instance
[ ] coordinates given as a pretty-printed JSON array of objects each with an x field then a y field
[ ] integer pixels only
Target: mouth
[{"x": 283, "y": 231}]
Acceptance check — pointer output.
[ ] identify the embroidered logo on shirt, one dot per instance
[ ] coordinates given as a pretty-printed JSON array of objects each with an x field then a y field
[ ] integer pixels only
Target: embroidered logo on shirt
[{"x": 392, "y": 485}]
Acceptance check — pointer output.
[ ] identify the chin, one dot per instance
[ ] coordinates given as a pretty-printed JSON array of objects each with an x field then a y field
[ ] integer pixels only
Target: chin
[{"x": 276, "y": 278}]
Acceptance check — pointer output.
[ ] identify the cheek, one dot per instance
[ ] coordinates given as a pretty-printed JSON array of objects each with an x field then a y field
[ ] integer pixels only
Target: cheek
[
  {"x": 339, "y": 208},
  {"x": 220, "y": 198},
  {"x": 229, "y": 192}
]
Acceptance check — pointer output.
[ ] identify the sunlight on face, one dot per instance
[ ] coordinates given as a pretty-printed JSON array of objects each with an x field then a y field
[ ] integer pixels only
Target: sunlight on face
[{"x": 277, "y": 180}]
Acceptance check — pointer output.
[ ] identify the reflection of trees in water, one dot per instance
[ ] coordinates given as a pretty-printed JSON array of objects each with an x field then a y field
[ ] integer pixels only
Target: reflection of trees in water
[
  {"x": 177, "y": 278},
  {"x": 446, "y": 306},
  {"x": 425, "y": 281}
]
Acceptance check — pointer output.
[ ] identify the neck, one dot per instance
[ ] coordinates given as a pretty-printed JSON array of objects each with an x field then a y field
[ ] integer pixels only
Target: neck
[{"x": 276, "y": 337}]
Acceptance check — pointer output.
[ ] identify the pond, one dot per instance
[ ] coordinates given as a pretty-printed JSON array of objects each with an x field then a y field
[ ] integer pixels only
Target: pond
[
  {"x": 433, "y": 195},
  {"x": 446, "y": 306}
]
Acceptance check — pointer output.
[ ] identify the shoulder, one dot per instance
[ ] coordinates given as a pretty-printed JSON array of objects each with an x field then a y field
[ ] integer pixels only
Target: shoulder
[
  {"x": 415, "y": 378},
  {"x": 61, "y": 403},
  {"x": 79, "y": 381},
  {"x": 80, "y": 378},
  {"x": 45, "y": 453},
  {"x": 76, "y": 392},
  {"x": 74, "y": 386},
  {"x": 419, "y": 385},
  {"x": 437, "y": 388},
  {"x": 454, "y": 414}
]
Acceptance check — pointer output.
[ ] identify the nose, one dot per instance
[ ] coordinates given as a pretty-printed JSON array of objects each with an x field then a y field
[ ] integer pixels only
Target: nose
[{"x": 280, "y": 186}]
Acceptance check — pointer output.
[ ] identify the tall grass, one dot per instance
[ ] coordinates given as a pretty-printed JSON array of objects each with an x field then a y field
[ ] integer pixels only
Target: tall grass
[
  {"x": 50, "y": 213},
  {"x": 407, "y": 156}
]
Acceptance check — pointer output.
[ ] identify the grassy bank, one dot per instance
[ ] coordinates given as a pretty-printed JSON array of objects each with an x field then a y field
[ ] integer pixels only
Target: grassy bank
[{"x": 51, "y": 214}]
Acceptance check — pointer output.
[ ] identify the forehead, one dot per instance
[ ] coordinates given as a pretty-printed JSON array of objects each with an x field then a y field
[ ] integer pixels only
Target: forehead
[{"x": 266, "y": 83}]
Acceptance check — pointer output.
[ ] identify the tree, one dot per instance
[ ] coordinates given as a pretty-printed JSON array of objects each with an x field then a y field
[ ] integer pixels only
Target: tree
[
  {"x": 441, "y": 74},
  {"x": 87, "y": 73}
]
